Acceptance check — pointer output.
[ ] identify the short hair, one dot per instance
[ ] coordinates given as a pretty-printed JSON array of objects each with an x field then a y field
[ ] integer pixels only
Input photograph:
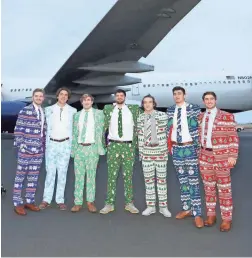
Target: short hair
[
  {"x": 178, "y": 88},
  {"x": 65, "y": 89},
  {"x": 121, "y": 91},
  {"x": 209, "y": 93},
  {"x": 86, "y": 95},
  {"x": 151, "y": 97},
  {"x": 38, "y": 90}
]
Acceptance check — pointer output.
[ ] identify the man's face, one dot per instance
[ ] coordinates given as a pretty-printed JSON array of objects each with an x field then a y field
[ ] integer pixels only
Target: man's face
[
  {"x": 178, "y": 96},
  {"x": 120, "y": 98},
  {"x": 87, "y": 103},
  {"x": 209, "y": 101},
  {"x": 38, "y": 98},
  {"x": 63, "y": 97},
  {"x": 148, "y": 104}
]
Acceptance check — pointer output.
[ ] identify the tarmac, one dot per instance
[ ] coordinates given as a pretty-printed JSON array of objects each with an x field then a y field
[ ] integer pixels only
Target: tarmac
[{"x": 52, "y": 232}]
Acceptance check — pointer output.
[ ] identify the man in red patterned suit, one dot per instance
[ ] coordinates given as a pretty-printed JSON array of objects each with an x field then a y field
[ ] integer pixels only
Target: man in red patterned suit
[{"x": 218, "y": 154}]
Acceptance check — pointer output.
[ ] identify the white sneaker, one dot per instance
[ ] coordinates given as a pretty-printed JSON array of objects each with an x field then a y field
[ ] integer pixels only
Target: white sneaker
[
  {"x": 131, "y": 208},
  {"x": 107, "y": 208},
  {"x": 165, "y": 212},
  {"x": 148, "y": 211}
]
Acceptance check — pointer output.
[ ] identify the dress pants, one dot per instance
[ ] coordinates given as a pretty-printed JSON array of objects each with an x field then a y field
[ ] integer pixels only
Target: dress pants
[
  {"x": 150, "y": 168},
  {"x": 85, "y": 163},
  {"x": 120, "y": 154},
  {"x": 185, "y": 160},
  {"x": 57, "y": 161},
  {"x": 211, "y": 175},
  {"x": 28, "y": 166}
]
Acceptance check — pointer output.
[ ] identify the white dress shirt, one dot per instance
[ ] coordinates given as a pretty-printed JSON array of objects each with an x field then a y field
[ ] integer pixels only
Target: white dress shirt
[
  {"x": 127, "y": 125},
  {"x": 37, "y": 108},
  {"x": 210, "y": 127},
  {"x": 90, "y": 130},
  {"x": 186, "y": 137},
  {"x": 60, "y": 123}
]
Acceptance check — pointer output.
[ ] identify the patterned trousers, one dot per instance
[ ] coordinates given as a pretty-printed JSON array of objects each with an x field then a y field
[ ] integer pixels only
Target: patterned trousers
[
  {"x": 57, "y": 161},
  {"x": 85, "y": 163},
  {"x": 120, "y": 154},
  {"x": 185, "y": 160},
  {"x": 149, "y": 169},
  {"x": 28, "y": 166},
  {"x": 212, "y": 175}
]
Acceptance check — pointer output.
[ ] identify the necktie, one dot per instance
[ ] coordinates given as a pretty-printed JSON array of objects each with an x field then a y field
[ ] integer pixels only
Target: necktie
[
  {"x": 39, "y": 114},
  {"x": 179, "y": 131},
  {"x": 206, "y": 129},
  {"x": 61, "y": 109},
  {"x": 84, "y": 128},
  {"x": 148, "y": 127},
  {"x": 120, "y": 130}
]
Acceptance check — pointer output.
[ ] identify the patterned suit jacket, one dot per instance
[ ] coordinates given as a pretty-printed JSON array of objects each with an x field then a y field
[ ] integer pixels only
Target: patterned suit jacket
[
  {"x": 99, "y": 125},
  {"x": 49, "y": 119},
  {"x": 27, "y": 132},
  {"x": 225, "y": 140},
  {"x": 193, "y": 112},
  {"x": 108, "y": 109},
  {"x": 161, "y": 129}
]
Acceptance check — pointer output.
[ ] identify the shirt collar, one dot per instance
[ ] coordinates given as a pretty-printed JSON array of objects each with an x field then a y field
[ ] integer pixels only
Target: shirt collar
[
  {"x": 36, "y": 106},
  {"x": 90, "y": 110},
  {"x": 213, "y": 111},
  {"x": 183, "y": 106}
]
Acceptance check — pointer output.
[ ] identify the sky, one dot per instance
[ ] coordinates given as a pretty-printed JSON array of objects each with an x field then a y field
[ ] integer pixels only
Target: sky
[{"x": 39, "y": 35}]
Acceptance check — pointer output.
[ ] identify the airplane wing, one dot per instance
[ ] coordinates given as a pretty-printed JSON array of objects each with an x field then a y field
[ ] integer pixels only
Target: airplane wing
[{"x": 128, "y": 32}]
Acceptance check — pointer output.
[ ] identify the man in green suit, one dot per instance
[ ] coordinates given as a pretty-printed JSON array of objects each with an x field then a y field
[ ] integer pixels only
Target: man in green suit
[
  {"x": 87, "y": 145},
  {"x": 120, "y": 124}
]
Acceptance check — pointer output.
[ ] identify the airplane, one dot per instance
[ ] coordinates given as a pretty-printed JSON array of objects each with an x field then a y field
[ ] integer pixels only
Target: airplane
[{"x": 128, "y": 32}]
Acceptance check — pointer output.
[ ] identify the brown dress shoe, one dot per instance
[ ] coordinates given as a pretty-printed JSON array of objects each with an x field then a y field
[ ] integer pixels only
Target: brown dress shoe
[
  {"x": 76, "y": 208},
  {"x": 183, "y": 214},
  {"x": 32, "y": 207},
  {"x": 91, "y": 207},
  {"x": 199, "y": 223},
  {"x": 210, "y": 221},
  {"x": 20, "y": 210},
  {"x": 225, "y": 226}
]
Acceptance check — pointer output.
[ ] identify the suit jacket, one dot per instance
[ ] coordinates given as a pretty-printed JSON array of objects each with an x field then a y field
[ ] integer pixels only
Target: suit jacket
[
  {"x": 108, "y": 109},
  {"x": 225, "y": 140},
  {"x": 49, "y": 119},
  {"x": 98, "y": 126},
  {"x": 27, "y": 132},
  {"x": 193, "y": 112},
  {"x": 161, "y": 129}
]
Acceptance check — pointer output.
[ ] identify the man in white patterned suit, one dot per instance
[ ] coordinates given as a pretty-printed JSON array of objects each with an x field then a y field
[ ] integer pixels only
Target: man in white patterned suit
[{"x": 59, "y": 119}]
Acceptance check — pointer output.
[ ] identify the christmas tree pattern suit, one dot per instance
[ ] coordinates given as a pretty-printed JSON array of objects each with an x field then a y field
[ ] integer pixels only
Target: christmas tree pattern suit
[{"x": 121, "y": 151}]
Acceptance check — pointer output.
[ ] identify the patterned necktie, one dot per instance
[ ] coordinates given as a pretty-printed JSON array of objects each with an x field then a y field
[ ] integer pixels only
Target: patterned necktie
[
  {"x": 179, "y": 131},
  {"x": 84, "y": 128},
  {"x": 120, "y": 129},
  {"x": 148, "y": 129},
  {"x": 206, "y": 129},
  {"x": 40, "y": 115}
]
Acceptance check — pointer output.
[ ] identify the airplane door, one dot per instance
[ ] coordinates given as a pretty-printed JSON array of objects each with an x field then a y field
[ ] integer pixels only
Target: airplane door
[{"x": 135, "y": 90}]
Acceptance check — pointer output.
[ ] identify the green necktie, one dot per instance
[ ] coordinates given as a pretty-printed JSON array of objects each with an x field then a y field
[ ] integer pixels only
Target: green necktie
[
  {"x": 83, "y": 133},
  {"x": 120, "y": 130}
]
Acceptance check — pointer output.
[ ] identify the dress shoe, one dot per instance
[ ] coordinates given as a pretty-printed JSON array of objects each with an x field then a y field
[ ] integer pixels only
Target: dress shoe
[
  {"x": 183, "y": 214},
  {"x": 76, "y": 208},
  {"x": 210, "y": 221},
  {"x": 62, "y": 206},
  {"x": 225, "y": 226},
  {"x": 91, "y": 207},
  {"x": 20, "y": 210},
  {"x": 199, "y": 223},
  {"x": 44, "y": 205},
  {"x": 32, "y": 207}
]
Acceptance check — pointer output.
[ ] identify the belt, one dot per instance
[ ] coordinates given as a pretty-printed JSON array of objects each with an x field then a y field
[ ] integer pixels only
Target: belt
[
  {"x": 182, "y": 143},
  {"x": 85, "y": 144},
  {"x": 207, "y": 149},
  {"x": 120, "y": 141},
  {"x": 151, "y": 145},
  {"x": 61, "y": 140}
]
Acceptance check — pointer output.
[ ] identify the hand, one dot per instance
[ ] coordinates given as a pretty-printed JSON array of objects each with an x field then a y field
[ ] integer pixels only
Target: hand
[{"x": 231, "y": 161}]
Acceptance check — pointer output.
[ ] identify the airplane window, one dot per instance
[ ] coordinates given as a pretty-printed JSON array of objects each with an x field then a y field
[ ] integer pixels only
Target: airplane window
[
  {"x": 22, "y": 89},
  {"x": 239, "y": 82},
  {"x": 210, "y": 82},
  {"x": 195, "y": 83},
  {"x": 191, "y": 84},
  {"x": 243, "y": 81},
  {"x": 11, "y": 90},
  {"x": 18, "y": 89},
  {"x": 248, "y": 81},
  {"x": 163, "y": 85},
  {"x": 214, "y": 81},
  {"x": 15, "y": 90},
  {"x": 26, "y": 90},
  {"x": 153, "y": 85},
  {"x": 224, "y": 82},
  {"x": 229, "y": 81},
  {"x": 185, "y": 84},
  {"x": 233, "y": 81},
  {"x": 219, "y": 81},
  {"x": 30, "y": 89},
  {"x": 167, "y": 85},
  {"x": 148, "y": 85},
  {"x": 205, "y": 82}
]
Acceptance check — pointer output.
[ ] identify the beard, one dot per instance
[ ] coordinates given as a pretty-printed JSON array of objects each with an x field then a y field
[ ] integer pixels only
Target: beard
[{"x": 119, "y": 101}]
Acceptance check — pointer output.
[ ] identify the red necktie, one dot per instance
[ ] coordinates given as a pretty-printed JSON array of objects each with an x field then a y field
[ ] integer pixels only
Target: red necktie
[{"x": 206, "y": 129}]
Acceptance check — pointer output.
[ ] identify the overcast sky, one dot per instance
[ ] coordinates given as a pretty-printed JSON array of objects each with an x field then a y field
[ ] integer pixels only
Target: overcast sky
[{"x": 39, "y": 35}]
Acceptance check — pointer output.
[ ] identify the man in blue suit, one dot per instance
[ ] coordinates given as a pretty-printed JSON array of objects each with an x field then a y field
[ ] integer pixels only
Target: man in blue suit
[{"x": 184, "y": 135}]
